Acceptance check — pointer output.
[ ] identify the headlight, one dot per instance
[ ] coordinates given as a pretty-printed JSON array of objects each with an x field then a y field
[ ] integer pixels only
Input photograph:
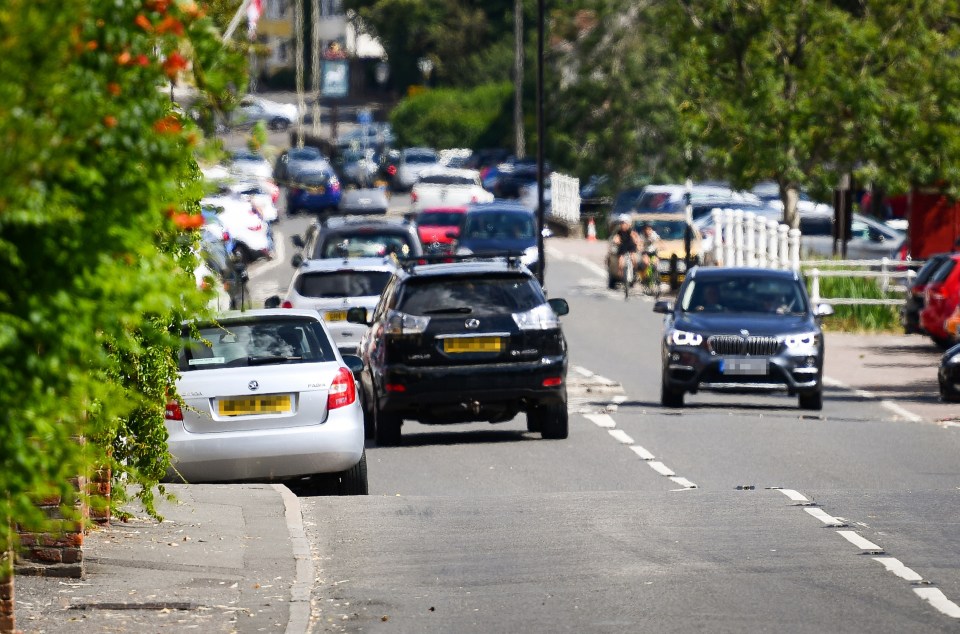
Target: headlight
[
  {"x": 530, "y": 255},
  {"x": 802, "y": 340},
  {"x": 684, "y": 338},
  {"x": 464, "y": 251},
  {"x": 403, "y": 324},
  {"x": 540, "y": 318}
]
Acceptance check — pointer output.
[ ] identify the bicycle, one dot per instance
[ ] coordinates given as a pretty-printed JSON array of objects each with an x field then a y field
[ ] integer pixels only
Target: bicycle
[
  {"x": 650, "y": 277},
  {"x": 627, "y": 275}
]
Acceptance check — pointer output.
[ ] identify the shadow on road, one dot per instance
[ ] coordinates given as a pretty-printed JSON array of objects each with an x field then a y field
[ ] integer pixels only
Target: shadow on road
[{"x": 466, "y": 437}]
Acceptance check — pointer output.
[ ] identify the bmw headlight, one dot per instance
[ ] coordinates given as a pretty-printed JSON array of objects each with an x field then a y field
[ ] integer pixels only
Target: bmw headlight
[
  {"x": 802, "y": 340},
  {"x": 530, "y": 255},
  {"x": 685, "y": 338}
]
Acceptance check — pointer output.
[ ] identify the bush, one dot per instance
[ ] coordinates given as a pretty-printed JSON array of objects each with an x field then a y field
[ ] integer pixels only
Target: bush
[
  {"x": 858, "y": 318},
  {"x": 449, "y": 117}
]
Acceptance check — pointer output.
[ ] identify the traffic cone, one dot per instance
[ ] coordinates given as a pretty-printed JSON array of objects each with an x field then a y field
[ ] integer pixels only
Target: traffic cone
[{"x": 591, "y": 231}]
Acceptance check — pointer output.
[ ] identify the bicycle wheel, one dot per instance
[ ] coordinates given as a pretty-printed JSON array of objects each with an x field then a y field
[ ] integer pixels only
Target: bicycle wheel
[{"x": 627, "y": 276}]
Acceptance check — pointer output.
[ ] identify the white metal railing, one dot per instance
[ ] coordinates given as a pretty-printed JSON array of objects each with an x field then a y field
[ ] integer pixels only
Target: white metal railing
[
  {"x": 746, "y": 239},
  {"x": 565, "y": 198},
  {"x": 891, "y": 277}
]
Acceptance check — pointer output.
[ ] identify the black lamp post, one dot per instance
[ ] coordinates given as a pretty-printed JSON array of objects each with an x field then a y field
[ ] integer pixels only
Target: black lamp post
[{"x": 541, "y": 264}]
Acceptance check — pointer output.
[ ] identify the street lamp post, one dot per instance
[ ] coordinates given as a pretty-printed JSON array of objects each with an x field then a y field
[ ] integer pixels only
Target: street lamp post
[{"x": 540, "y": 133}]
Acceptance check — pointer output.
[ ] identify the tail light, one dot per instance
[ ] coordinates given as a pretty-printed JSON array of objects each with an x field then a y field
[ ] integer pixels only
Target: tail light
[
  {"x": 392, "y": 170},
  {"x": 286, "y": 304},
  {"x": 343, "y": 390},
  {"x": 273, "y": 190},
  {"x": 172, "y": 411},
  {"x": 226, "y": 236},
  {"x": 413, "y": 197}
]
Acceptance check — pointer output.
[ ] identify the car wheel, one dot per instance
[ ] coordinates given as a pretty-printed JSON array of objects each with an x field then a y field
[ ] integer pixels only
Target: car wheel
[
  {"x": 811, "y": 400},
  {"x": 534, "y": 420},
  {"x": 387, "y": 424},
  {"x": 279, "y": 124},
  {"x": 670, "y": 397},
  {"x": 553, "y": 421},
  {"x": 353, "y": 481}
]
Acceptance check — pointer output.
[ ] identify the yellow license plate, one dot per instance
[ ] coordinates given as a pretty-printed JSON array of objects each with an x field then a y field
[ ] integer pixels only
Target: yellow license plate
[
  {"x": 248, "y": 405},
  {"x": 472, "y": 344},
  {"x": 317, "y": 190},
  {"x": 335, "y": 315}
]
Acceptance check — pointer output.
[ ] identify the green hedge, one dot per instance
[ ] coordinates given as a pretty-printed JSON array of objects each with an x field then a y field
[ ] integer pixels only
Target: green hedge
[
  {"x": 451, "y": 118},
  {"x": 858, "y": 318}
]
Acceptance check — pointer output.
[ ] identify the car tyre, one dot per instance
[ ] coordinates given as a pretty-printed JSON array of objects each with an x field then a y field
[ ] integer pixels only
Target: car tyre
[
  {"x": 353, "y": 481},
  {"x": 554, "y": 421},
  {"x": 670, "y": 397},
  {"x": 811, "y": 400},
  {"x": 534, "y": 420},
  {"x": 279, "y": 124},
  {"x": 387, "y": 424}
]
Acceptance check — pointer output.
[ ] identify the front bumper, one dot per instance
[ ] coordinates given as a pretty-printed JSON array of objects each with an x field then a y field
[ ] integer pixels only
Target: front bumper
[
  {"x": 694, "y": 368},
  {"x": 267, "y": 455}
]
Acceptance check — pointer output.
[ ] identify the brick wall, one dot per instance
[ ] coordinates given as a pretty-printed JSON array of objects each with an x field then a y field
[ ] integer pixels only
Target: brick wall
[
  {"x": 7, "y": 622},
  {"x": 56, "y": 552}
]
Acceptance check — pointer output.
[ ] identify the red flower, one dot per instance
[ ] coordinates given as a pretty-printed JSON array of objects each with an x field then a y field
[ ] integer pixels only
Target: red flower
[
  {"x": 143, "y": 22},
  {"x": 160, "y": 6},
  {"x": 92, "y": 45},
  {"x": 168, "y": 125},
  {"x": 123, "y": 58},
  {"x": 174, "y": 63},
  {"x": 113, "y": 88},
  {"x": 170, "y": 25},
  {"x": 110, "y": 121},
  {"x": 143, "y": 60}
]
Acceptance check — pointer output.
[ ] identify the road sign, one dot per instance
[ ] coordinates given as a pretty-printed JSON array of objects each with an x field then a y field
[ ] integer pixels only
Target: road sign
[{"x": 335, "y": 79}]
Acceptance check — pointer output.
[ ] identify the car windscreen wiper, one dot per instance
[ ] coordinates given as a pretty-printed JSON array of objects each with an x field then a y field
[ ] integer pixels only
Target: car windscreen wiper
[
  {"x": 271, "y": 359},
  {"x": 451, "y": 310}
]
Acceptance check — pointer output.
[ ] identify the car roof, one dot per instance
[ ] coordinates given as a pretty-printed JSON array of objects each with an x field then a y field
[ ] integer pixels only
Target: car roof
[
  {"x": 353, "y": 222},
  {"x": 708, "y": 273},
  {"x": 347, "y": 264},
  {"x": 468, "y": 267},
  {"x": 260, "y": 313},
  {"x": 498, "y": 205},
  {"x": 452, "y": 171}
]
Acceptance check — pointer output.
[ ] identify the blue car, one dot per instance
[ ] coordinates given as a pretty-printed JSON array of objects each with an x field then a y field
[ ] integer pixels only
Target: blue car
[
  {"x": 316, "y": 191},
  {"x": 499, "y": 227}
]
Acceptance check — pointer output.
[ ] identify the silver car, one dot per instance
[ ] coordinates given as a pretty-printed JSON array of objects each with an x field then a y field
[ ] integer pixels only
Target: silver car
[
  {"x": 333, "y": 286},
  {"x": 413, "y": 161},
  {"x": 266, "y": 397}
]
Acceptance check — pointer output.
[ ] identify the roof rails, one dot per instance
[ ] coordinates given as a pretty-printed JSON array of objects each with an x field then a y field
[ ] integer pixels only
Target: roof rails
[{"x": 512, "y": 258}]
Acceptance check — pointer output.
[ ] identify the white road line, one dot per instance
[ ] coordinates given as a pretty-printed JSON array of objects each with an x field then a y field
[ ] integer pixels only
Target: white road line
[
  {"x": 582, "y": 371},
  {"x": 601, "y": 420},
  {"x": 686, "y": 484},
  {"x": 621, "y": 436},
  {"x": 822, "y": 515},
  {"x": 897, "y": 409},
  {"x": 939, "y": 601},
  {"x": 592, "y": 266},
  {"x": 894, "y": 565},
  {"x": 643, "y": 453},
  {"x": 858, "y": 540},
  {"x": 622, "y": 398},
  {"x": 900, "y": 411},
  {"x": 661, "y": 468},
  {"x": 796, "y": 496}
]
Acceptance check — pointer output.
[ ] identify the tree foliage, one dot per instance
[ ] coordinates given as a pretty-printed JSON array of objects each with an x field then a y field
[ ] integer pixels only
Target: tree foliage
[
  {"x": 451, "y": 117},
  {"x": 98, "y": 169}
]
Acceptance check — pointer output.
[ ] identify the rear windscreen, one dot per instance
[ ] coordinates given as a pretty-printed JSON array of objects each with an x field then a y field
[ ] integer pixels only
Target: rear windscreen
[
  {"x": 470, "y": 295},
  {"x": 491, "y": 225},
  {"x": 371, "y": 244},
  {"x": 447, "y": 179},
  {"x": 343, "y": 283},
  {"x": 253, "y": 343}
]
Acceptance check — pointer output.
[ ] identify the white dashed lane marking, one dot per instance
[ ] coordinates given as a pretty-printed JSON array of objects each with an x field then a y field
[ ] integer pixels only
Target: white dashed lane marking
[
  {"x": 824, "y": 517},
  {"x": 601, "y": 420},
  {"x": 793, "y": 495},
  {"x": 621, "y": 436},
  {"x": 938, "y": 600},
  {"x": 643, "y": 453},
  {"x": 894, "y": 565},
  {"x": 857, "y": 540}
]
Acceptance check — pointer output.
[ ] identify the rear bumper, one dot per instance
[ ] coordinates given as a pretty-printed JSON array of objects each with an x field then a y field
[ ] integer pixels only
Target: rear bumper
[{"x": 267, "y": 455}]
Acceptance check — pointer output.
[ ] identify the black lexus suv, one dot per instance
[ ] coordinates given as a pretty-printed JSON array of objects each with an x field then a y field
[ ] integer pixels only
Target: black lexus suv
[{"x": 464, "y": 341}]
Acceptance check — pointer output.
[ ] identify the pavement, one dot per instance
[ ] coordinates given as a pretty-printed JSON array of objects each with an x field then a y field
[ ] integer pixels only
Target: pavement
[{"x": 235, "y": 558}]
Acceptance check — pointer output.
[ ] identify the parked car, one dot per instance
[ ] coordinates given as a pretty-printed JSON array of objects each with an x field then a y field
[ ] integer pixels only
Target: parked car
[
  {"x": 769, "y": 193},
  {"x": 261, "y": 193},
  {"x": 277, "y": 116},
  {"x": 357, "y": 237},
  {"x": 741, "y": 329},
  {"x": 358, "y": 167},
  {"x": 497, "y": 228},
  {"x": 245, "y": 164},
  {"x": 462, "y": 342},
  {"x": 266, "y": 397},
  {"x": 910, "y": 311},
  {"x": 439, "y": 228},
  {"x": 511, "y": 177},
  {"x": 445, "y": 186},
  {"x": 253, "y": 239},
  {"x": 292, "y": 162},
  {"x": 941, "y": 297},
  {"x": 703, "y": 198},
  {"x": 869, "y": 239},
  {"x": 671, "y": 252},
  {"x": 371, "y": 200},
  {"x": 411, "y": 162},
  {"x": 314, "y": 191},
  {"x": 948, "y": 375}
]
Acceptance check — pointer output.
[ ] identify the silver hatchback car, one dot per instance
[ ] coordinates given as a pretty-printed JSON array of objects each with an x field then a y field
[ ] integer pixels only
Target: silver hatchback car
[{"x": 266, "y": 397}]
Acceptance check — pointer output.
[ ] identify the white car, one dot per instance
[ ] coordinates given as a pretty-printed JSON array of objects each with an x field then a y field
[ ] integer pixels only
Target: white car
[
  {"x": 448, "y": 187},
  {"x": 333, "y": 286},
  {"x": 260, "y": 193},
  {"x": 265, "y": 396},
  {"x": 245, "y": 164},
  {"x": 246, "y": 227},
  {"x": 411, "y": 163},
  {"x": 277, "y": 116}
]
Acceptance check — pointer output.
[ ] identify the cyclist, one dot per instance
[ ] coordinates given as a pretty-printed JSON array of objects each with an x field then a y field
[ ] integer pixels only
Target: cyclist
[
  {"x": 649, "y": 243},
  {"x": 627, "y": 241}
]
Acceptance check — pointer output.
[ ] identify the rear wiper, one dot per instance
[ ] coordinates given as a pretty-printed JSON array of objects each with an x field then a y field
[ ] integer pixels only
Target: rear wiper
[
  {"x": 271, "y": 359},
  {"x": 450, "y": 310}
]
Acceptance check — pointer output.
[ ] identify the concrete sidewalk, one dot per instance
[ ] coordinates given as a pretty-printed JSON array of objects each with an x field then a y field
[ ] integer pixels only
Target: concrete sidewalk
[{"x": 226, "y": 558}]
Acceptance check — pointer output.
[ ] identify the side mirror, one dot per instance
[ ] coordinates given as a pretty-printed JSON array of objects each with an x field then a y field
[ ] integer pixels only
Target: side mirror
[
  {"x": 353, "y": 362},
  {"x": 296, "y": 260},
  {"x": 297, "y": 241},
  {"x": 559, "y": 306},
  {"x": 272, "y": 302},
  {"x": 663, "y": 307},
  {"x": 357, "y": 316},
  {"x": 823, "y": 310}
]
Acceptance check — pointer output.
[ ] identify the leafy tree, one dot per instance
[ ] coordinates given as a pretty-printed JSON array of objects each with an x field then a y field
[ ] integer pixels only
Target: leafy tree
[
  {"x": 450, "y": 117},
  {"x": 99, "y": 181},
  {"x": 805, "y": 91}
]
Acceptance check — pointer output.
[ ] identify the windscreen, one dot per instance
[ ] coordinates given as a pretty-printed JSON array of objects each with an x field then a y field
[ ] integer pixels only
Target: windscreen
[
  {"x": 440, "y": 219},
  {"x": 497, "y": 225},
  {"x": 254, "y": 343},
  {"x": 314, "y": 179},
  {"x": 470, "y": 295},
  {"x": 421, "y": 157},
  {"x": 343, "y": 283},
  {"x": 657, "y": 201},
  {"x": 304, "y": 154},
  {"x": 447, "y": 179},
  {"x": 666, "y": 229},
  {"x": 371, "y": 244},
  {"x": 744, "y": 294}
]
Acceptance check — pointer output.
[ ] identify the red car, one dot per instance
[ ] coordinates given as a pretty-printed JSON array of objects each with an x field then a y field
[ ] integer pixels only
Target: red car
[
  {"x": 435, "y": 227},
  {"x": 940, "y": 300}
]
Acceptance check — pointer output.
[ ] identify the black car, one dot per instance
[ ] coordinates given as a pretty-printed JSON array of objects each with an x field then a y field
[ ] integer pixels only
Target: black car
[
  {"x": 464, "y": 341},
  {"x": 949, "y": 375},
  {"x": 357, "y": 236},
  {"x": 910, "y": 311},
  {"x": 742, "y": 329}
]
